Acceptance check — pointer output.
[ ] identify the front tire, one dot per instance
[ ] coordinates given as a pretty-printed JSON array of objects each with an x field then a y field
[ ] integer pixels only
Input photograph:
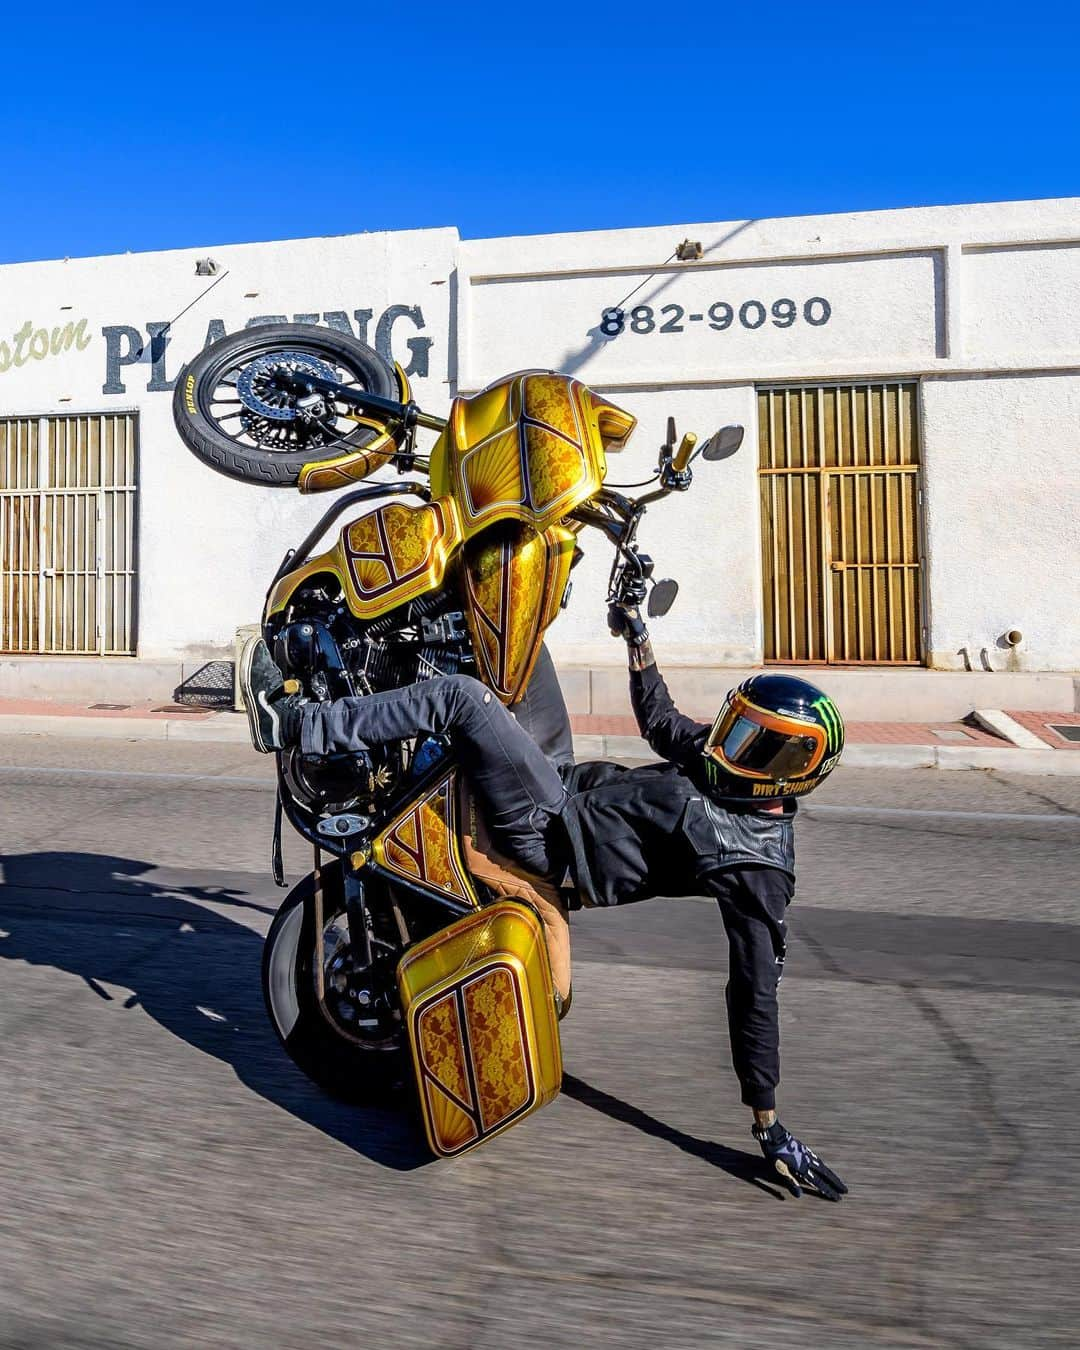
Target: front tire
[
  {"x": 222, "y": 419},
  {"x": 362, "y": 1074}
]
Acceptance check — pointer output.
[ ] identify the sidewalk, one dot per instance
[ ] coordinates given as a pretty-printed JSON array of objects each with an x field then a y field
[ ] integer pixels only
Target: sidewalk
[
  {"x": 870, "y": 745},
  {"x": 894, "y": 745}
]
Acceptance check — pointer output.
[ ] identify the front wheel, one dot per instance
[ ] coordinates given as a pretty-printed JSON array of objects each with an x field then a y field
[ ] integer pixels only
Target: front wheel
[
  {"x": 240, "y": 405},
  {"x": 353, "y": 1044}
]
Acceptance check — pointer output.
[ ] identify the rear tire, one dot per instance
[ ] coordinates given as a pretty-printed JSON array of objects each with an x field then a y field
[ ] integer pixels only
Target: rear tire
[
  {"x": 239, "y": 456},
  {"x": 346, "y": 1070}
]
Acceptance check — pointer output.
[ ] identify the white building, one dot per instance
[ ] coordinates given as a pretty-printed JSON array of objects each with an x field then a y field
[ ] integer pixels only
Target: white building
[{"x": 907, "y": 497}]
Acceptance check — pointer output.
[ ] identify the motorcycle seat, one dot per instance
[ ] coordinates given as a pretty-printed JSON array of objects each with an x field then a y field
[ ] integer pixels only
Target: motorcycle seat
[{"x": 506, "y": 880}]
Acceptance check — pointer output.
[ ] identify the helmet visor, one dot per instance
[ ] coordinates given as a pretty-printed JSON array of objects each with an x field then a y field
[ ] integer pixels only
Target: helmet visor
[{"x": 761, "y": 746}]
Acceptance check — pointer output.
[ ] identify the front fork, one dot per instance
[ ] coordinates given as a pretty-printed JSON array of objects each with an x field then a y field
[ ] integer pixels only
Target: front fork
[
  {"x": 359, "y": 919},
  {"x": 357, "y": 916}
]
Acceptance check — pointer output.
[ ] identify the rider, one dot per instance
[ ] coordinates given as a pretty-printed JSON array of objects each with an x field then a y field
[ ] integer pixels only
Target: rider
[{"x": 715, "y": 817}]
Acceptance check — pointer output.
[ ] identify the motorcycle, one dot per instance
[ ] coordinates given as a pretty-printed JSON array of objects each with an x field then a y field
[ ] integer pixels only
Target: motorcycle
[{"x": 412, "y": 940}]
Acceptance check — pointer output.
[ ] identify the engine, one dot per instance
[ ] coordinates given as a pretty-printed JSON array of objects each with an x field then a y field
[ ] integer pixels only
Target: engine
[{"x": 333, "y": 654}]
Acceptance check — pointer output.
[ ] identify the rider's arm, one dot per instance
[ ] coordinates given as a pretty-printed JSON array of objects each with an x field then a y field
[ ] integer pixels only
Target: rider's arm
[
  {"x": 669, "y": 733},
  {"x": 754, "y": 921},
  {"x": 753, "y": 904}
]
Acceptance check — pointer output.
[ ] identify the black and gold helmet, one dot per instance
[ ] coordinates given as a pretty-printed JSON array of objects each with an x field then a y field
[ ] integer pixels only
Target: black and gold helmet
[{"x": 775, "y": 736}]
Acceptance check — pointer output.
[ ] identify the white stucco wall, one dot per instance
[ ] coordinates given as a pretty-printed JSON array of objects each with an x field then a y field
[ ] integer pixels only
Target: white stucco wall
[
  {"x": 976, "y": 302},
  {"x": 207, "y": 545},
  {"x": 707, "y": 539},
  {"x": 1002, "y": 520}
]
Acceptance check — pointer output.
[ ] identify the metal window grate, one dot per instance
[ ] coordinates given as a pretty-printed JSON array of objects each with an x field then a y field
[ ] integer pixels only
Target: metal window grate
[
  {"x": 67, "y": 534},
  {"x": 841, "y": 555}
]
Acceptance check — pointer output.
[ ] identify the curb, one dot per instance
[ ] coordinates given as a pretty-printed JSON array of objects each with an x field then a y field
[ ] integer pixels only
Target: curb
[
  {"x": 127, "y": 728},
  {"x": 1057, "y": 763},
  {"x": 231, "y": 728}
]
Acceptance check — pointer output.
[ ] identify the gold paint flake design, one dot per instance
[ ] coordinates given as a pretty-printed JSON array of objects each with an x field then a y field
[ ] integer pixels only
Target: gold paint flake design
[
  {"x": 547, "y": 399},
  {"x": 343, "y": 472},
  {"x": 491, "y": 474},
  {"x": 498, "y": 1046},
  {"x": 397, "y": 546},
  {"x": 453, "y": 1128},
  {"x": 554, "y": 465},
  {"x": 495, "y": 1041},
  {"x": 442, "y": 1047},
  {"x": 422, "y": 846},
  {"x": 526, "y": 445},
  {"x": 513, "y": 587}
]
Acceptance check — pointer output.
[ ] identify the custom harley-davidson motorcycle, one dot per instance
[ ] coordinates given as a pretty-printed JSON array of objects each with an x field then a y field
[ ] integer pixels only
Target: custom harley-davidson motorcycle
[{"x": 412, "y": 940}]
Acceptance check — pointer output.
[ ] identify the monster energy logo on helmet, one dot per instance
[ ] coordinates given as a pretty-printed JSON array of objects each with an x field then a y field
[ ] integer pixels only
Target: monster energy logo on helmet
[{"x": 830, "y": 717}]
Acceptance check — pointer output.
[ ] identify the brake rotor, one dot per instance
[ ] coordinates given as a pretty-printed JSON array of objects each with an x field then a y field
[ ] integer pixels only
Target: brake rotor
[{"x": 271, "y": 413}]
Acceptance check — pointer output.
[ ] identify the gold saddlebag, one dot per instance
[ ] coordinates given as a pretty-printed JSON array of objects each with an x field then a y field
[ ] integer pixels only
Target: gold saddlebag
[{"x": 478, "y": 1004}]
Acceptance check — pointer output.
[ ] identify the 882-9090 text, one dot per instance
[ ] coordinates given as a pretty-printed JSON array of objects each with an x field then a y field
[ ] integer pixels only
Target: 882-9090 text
[{"x": 751, "y": 314}]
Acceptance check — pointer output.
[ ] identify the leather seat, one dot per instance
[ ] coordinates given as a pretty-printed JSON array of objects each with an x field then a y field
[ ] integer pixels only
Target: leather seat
[{"x": 508, "y": 881}]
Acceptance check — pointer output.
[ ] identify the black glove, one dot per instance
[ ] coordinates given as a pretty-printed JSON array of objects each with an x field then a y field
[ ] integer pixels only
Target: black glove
[
  {"x": 625, "y": 621},
  {"x": 798, "y": 1165}
]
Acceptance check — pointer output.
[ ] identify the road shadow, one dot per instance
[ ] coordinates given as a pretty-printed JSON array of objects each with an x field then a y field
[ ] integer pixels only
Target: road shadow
[
  {"x": 747, "y": 1167},
  {"x": 193, "y": 969}
]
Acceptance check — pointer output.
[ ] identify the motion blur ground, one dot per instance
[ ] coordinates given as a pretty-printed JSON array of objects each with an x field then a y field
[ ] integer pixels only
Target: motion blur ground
[{"x": 171, "y": 1179}]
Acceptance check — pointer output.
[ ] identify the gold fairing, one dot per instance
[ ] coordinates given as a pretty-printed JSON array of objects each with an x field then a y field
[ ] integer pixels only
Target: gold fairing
[
  {"x": 345, "y": 470},
  {"x": 422, "y": 844},
  {"x": 515, "y": 579},
  {"x": 385, "y": 558},
  {"x": 478, "y": 1005},
  {"x": 530, "y": 447},
  {"x": 350, "y": 465}
]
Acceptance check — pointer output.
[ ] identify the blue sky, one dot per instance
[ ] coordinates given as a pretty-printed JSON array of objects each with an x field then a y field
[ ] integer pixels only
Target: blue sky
[{"x": 163, "y": 126}]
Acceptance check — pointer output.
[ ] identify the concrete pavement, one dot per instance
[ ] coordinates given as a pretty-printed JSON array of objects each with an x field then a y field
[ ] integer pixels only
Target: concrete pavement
[{"x": 171, "y": 1181}]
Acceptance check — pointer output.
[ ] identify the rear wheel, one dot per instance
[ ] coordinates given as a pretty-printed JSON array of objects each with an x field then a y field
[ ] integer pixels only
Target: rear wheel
[
  {"x": 353, "y": 1044},
  {"x": 237, "y": 408}
]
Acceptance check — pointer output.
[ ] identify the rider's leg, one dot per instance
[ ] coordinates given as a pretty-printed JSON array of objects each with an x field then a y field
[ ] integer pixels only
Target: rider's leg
[
  {"x": 541, "y": 710},
  {"x": 519, "y": 789}
]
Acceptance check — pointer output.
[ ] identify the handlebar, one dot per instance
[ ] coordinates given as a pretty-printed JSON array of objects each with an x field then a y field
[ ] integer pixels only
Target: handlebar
[
  {"x": 685, "y": 450},
  {"x": 618, "y": 516}
]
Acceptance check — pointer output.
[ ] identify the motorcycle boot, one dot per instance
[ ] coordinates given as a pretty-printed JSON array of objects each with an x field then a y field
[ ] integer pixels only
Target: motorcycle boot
[{"x": 273, "y": 711}]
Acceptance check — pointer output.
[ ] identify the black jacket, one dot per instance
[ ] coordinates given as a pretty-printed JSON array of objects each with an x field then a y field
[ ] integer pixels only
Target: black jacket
[{"x": 661, "y": 830}]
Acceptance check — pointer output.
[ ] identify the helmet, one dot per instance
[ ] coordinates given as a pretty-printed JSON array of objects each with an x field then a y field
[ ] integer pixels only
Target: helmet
[{"x": 775, "y": 736}]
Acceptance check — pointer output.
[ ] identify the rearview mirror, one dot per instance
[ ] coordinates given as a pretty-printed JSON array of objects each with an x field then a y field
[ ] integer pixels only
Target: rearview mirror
[
  {"x": 723, "y": 443},
  {"x": 662, "y": 597}
]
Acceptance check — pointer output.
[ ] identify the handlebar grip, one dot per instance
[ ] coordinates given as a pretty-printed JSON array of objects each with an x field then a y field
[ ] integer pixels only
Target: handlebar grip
[{"x": 685, "y": 450}]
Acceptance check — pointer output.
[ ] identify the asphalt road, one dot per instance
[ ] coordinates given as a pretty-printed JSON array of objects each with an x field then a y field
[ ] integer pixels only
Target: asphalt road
[{"x": 168, "y": 1179}]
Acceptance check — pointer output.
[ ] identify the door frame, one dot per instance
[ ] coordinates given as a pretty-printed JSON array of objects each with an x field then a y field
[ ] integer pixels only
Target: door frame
[{"x": 824, "y": 475}]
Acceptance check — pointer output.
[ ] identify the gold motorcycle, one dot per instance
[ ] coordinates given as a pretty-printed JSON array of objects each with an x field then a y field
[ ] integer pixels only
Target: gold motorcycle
[{"x": 413, "y": 943}]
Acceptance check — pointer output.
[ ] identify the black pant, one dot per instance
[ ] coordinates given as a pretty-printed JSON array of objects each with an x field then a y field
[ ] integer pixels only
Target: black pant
[
  {"x": 541, "y": 710},
  {"x": 520, "y": 791}
]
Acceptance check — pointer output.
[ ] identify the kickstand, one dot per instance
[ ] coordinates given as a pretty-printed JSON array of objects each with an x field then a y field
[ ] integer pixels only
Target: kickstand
[{"x": 277, "y": 866}]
